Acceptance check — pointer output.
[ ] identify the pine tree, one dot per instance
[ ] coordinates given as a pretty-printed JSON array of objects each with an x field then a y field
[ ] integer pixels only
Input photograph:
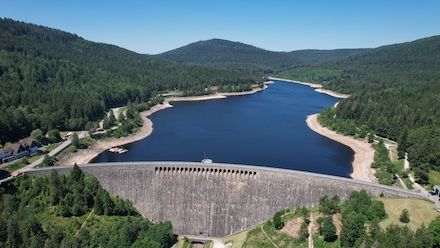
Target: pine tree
[{"x": 75, "y": 140}]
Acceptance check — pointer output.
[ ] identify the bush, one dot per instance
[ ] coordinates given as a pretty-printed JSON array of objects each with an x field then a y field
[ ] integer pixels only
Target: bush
[
  {"x": 277, "y": 222},
  {"x": 404, "y": 217},
  {"x": 328, "y": 230}
]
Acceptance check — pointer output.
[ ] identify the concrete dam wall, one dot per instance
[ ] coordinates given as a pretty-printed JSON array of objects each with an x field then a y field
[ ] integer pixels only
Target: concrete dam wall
[{"x": 218, "y": 198}]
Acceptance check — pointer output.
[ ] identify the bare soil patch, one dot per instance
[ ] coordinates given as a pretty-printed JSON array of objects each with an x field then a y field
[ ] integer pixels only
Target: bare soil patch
[{"x": 292, "y": 227}]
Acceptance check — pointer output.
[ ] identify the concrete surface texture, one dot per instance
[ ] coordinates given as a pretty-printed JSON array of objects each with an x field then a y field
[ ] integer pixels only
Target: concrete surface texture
[{"x": 219, "y": 199}]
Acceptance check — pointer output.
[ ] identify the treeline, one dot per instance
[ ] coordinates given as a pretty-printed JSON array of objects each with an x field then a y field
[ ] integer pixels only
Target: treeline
[
  {"x": 55, "y": 80},
  {"x": 395, "y": 93},
  {"x": 87, "y": 215},
  {"x": 385, "y": 168}
]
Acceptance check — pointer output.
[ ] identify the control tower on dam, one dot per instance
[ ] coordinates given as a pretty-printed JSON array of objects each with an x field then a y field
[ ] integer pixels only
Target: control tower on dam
[{"x": 218, "y": 199}]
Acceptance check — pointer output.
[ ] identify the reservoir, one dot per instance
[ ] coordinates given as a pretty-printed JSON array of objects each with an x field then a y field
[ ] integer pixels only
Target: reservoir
[{"x": 267, "y": 128}]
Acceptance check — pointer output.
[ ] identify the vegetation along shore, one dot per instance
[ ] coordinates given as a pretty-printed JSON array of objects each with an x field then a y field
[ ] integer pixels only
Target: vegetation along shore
[
  {"x": 363, "y": 152},
  {"x": 87, "y": 155}
]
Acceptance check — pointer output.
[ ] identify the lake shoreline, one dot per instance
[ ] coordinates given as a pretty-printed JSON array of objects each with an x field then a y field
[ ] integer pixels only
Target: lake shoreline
[
  {"x": 317, "y": 87},
  {"x": 361, "y": 164},
  {"x": 363, "y": 152},
  {"x": 87, "y": 155}
]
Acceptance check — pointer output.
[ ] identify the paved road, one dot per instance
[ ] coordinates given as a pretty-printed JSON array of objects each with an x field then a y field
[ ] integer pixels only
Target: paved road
[{"x": 417, "y": 186}]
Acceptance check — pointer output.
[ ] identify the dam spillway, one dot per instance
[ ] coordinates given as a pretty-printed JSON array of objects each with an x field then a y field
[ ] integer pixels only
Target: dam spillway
[{"x": 219, "y": 199}]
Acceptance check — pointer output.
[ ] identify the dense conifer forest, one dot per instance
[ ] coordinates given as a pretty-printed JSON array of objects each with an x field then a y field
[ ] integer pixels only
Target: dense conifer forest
[
  {"x": 73, "y": 210},
  {"x": 228, "y": 54},
  {"x": 53, "y": 79},
  {"x": 395, "y": 94}
]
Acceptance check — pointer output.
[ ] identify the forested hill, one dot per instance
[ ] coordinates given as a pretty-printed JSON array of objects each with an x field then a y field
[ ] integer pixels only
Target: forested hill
[
  {"x": 311, "y": 56},
  {"x": 395, "y": 94},
  {"x": 228, "y": 54},
  {"x": 223, "y": 53},
  {"x": 53, "y": 79}
]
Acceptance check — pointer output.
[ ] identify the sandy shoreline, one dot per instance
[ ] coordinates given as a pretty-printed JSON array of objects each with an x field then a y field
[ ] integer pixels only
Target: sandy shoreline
[
  {"x": 318, "y": 87},
  {"x": 363, "y": 152},
  {"x": 87, "y": 155}
]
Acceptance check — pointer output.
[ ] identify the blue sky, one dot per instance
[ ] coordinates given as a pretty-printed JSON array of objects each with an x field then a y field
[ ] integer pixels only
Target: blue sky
[{"x": 158, "y": 26}]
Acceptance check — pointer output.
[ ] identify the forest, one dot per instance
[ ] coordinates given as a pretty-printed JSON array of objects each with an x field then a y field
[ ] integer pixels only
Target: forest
[
  {"x": 394, "y": 94},
  {"x": 73, "y": 210},
  {"x": 51, "y": 79},
  {"x": 228, "y": 54}
]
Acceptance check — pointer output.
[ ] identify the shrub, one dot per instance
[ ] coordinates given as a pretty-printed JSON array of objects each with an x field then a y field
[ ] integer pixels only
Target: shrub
[{"x": 404, "y": 217}]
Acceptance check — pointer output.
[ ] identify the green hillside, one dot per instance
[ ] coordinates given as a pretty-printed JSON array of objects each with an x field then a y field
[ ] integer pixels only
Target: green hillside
[
  {"x": 228, "y": 54},
  {"x": 310, "y": 56},
  {"x": 395, "y": 94},
  {"x": 53, "y": 79},
  {"x": 223, "y": 53}
]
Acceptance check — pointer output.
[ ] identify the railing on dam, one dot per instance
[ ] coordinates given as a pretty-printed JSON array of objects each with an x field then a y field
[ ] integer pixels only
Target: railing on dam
[{"x": 204, "y": 171}]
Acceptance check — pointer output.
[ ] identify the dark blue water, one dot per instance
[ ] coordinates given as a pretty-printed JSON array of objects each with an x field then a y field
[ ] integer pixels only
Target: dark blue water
[{"x": 267, "y": 128}]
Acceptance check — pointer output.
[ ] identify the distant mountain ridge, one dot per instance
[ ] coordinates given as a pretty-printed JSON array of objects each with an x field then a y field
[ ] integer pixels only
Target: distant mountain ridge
[{"x": 224, "y": 53}]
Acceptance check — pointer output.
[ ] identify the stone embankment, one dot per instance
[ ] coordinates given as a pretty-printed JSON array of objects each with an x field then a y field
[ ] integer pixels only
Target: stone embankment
[{"x": 218, "y": 199}]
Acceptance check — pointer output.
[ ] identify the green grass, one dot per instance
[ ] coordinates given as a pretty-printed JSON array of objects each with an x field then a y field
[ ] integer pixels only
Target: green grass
[
  {"x": 238, "y": 239},
  {"x": 420, "y": 211},
  {"x": 17, "y": 165},
  {"x": 182, "y": 243},
  {"x": 320, "y": 243},
  {"x": 408, "y": 183},
  {"x": 434, "y": 178},
  {"x": 256, "y": 238},
  {"x": 50, "y": 147}
]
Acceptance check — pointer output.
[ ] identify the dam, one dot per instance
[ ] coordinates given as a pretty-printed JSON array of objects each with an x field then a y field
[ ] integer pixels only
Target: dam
[{"x": 218, "y": 199}]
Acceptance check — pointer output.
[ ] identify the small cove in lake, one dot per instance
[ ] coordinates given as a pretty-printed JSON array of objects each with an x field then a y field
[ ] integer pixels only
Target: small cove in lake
[{"x": 267, "y": 128}]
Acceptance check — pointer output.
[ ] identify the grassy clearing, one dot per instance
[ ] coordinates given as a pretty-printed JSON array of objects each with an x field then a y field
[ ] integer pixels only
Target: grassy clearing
[
  {"x": 238, "y": 239},
  {"x": 182, "y": 243},
  {"x": 420, "y": 211},
  {"x": 408, "y": 183},
  {"x": 434, "y": 178},
  {"x": 256, "y": 238},
  {"x": 320, "y": 243}
]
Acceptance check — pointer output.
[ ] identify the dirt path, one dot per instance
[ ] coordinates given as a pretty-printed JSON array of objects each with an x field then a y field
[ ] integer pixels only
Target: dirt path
[
  {"x": 85, "y": 221},
  {"x": 267, "y": 236}
]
